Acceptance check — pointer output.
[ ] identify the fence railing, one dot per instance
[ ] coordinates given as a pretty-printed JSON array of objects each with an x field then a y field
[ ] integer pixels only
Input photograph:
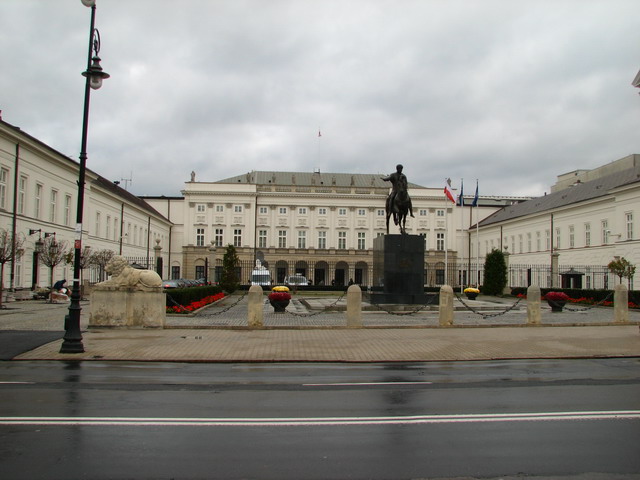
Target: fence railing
[{"x": 456, "y": 274}]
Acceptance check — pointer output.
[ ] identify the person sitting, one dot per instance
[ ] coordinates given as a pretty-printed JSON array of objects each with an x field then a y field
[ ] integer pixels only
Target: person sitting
[
  {"x": 59, "y": 292},
  {"x": 59, "y": 286}
]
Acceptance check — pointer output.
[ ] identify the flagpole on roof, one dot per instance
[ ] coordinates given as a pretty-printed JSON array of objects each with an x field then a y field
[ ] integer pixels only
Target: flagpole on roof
[{"x": 319, "y": 143}]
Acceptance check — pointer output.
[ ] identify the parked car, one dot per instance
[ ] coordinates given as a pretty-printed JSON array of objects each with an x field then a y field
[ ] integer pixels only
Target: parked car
[
  {"x": 261, "y": 276},
  {"x": 296, "y": 280},
  {"x": 173, "y": 283}
]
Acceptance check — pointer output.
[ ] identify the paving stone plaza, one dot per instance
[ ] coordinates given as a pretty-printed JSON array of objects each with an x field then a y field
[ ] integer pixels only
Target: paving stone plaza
[{"x": 219, "y": 333}]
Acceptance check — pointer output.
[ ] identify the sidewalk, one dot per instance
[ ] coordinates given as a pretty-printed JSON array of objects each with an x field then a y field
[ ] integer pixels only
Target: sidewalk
[{"x": 219, "y": 335}]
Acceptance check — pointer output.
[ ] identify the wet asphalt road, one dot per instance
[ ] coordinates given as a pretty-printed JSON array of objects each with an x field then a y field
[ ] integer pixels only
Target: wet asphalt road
[
  {"x": 121, "y": 420},
  {"x": 15, "y": 342}
]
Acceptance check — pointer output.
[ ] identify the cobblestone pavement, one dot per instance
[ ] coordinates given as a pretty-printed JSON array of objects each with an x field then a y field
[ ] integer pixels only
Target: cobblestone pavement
[{"x": 219, "y": 333}]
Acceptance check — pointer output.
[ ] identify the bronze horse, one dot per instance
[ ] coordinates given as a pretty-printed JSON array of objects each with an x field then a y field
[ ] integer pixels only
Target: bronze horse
[{"x": 399, "y": 207}]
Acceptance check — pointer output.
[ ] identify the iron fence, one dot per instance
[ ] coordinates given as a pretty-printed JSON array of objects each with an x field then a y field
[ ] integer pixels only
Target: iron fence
[{"x": 457, "y": 274}]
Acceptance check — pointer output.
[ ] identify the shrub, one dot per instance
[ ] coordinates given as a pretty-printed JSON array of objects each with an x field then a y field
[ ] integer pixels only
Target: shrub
[
  {"x": 186, "y": 296},
  {"x": 495, "y": 273}
]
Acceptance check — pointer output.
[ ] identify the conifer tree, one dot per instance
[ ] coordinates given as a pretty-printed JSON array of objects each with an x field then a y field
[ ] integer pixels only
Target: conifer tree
[
  {"x": 230, "y": 280},
  {"x": 495, "y": 273}
]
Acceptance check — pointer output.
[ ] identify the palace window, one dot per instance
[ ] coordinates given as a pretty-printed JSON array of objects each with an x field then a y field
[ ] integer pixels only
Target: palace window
[
  {"x": 362, "y": 240},
  {"x": 237, "y": 237},
  {"x": 200, "y": 237},
  {"x": 322, "y": 239},
  {"x": 342, "y": 240},
  {"x": 587, "y": 234},
  {"x": 38, "y": 201},
  {"x": 262, "y": 239},
  {"x": 53, "y": 212},
  {"x": 282, "y": 239},
  {"x": 547, "y": 234},
  {"x": 22, "y": 189},
  {"x": 572, "y": 236},
  {"x": 218, "y": 237},
  {"x": 67, "y": 210},
  {"x": 302, "y": 239},
  {"x": 629, "y": 223},
  {"x": 4, "y": 175}
]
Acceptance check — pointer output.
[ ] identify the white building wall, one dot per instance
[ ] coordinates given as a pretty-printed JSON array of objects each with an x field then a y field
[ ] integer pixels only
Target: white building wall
[{"x": 46, "y": 170}]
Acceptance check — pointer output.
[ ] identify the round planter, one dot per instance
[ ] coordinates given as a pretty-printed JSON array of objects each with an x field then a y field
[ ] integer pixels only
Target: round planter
[
  {"x": 556, "y": 306},
  {"x": 279, "y": 306},
  {"x": 471, "y": 296}
]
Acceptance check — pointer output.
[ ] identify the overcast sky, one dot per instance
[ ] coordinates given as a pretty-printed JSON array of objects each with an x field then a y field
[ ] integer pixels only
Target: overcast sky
[{"x": 508, "y": 92}]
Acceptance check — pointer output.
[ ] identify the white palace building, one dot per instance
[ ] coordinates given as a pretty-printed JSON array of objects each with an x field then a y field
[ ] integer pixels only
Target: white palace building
[{"x": 319, "y": 224}]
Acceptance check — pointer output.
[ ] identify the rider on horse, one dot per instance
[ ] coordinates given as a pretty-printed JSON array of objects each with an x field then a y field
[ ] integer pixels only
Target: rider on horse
[{"x": 399, "y": 184}]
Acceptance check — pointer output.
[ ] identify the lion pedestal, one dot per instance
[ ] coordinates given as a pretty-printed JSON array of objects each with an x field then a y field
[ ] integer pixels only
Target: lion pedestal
[{"x": 130, "y": 298}]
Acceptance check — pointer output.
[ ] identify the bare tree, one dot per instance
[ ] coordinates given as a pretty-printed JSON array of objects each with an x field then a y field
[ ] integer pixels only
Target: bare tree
[
  {"x": 10, "y": 250},
  {"x": 100, "y": 259},
  {"x": 85, "y": 262},
  {"x": 53, "y": 253}
]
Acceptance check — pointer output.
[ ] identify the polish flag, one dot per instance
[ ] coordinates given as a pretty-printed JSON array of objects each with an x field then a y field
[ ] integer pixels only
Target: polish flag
[{"x": 448, "y": 192}]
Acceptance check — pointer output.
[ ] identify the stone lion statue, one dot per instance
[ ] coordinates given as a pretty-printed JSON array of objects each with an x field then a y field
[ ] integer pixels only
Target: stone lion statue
[{"x": 123, "y": 275}]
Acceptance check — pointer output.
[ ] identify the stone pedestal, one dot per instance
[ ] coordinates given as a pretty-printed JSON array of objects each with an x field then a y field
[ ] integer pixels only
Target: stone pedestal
[
  {"x": 534, "y": 314},
  {"x": 255, "y": 311},
  {"x": 127, "y": 308},
  {"x": 354, "y": 306},
  {"x": 620, "y": 304},
  {"x": 398, "y": 270},
  {"x": 446, "y": 306}
]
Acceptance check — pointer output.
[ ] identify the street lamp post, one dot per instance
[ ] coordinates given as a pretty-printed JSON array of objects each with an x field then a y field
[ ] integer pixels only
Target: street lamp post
[{"x": 94, "y": 75}]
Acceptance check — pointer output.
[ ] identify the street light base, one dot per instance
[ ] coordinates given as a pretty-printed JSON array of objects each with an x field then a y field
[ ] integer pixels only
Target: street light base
[
  {"x": 72, "y": 342},
  {"x": 72, "y": 346}
]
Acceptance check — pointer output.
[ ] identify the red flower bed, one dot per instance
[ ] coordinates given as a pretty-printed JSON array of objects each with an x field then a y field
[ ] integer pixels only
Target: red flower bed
[
  {"x": 196, "y": 305},
  {"x": 279, "y": 296},
  {"x": 556, "y": 297}
]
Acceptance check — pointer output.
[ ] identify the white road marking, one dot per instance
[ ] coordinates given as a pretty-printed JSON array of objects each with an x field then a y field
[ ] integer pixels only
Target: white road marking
[
  {"x": 320, "y": 421},
  {"x": 362, "y": 384},
  {"x": 17, "y": 383}
]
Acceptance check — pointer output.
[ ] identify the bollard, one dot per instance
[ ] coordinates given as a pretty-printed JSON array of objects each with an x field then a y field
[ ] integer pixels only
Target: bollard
[
  {"x": 256, "y": 306},
  {"x": 446, "y": 306},
  {"x": 354, "y": 306},
  {"x": 620, "y": 304},
  {"x": 533, "y": 305}
]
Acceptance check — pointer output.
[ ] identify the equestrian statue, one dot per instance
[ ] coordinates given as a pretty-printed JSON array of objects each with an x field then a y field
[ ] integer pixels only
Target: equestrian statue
[{"x": 398, "y": 202}]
